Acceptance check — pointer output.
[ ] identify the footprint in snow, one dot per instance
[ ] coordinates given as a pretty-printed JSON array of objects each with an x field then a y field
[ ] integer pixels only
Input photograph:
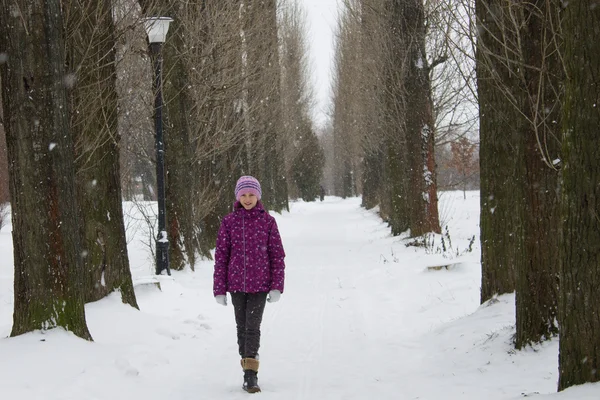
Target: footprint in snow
[
  {"x": 124, "y": 366},
  {"x": 168, "y": 334}
]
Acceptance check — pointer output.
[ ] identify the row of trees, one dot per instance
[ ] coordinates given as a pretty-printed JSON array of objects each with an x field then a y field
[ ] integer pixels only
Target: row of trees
[
  {"x": 539, "y": 170},
  {"x": 403, "y": 91},
  {"x": 406, "y": 78},
  {"x": 77, "y": 114}
]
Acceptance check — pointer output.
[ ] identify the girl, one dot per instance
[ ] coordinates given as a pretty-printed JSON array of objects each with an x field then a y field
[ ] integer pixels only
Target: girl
[{"x": 248, "y": 264}]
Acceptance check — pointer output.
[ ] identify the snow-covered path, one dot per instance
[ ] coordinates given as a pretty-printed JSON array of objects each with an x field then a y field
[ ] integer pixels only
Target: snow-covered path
[
  {"x": 361, "y": 317},
  {"x": 355, "y": 306}
]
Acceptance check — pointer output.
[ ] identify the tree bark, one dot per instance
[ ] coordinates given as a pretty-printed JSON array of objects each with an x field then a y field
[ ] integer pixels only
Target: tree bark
[
  {"x": 579, "y": 314},
  {"x": 537, "y": 283},
  {"x": 501, "y": 229},
  {"x": 4, "y": 192},
  {"x": 48, "y": 285},
  {"x": 396, "y": 186}
]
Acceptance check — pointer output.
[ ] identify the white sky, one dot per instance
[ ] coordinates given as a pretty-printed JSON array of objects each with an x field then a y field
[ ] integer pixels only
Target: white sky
[{"x": 321, "y": 15}]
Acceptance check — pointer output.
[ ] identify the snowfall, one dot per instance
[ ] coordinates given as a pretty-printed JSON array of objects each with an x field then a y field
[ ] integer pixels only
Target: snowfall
[{"x": 363, "y": 316}]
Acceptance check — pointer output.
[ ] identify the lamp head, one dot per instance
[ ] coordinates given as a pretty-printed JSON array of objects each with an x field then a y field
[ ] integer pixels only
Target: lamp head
[{"x": 157, "y": 28}]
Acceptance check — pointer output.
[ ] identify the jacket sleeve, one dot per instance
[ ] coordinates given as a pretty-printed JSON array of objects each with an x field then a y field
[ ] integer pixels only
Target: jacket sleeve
[
  {"x": 276, "y": 257},
  {"x": 222, "y": 252}
]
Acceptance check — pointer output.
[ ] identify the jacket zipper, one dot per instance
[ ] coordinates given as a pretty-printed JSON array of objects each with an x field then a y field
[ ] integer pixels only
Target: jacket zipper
[{"x": 244, "y": 241}]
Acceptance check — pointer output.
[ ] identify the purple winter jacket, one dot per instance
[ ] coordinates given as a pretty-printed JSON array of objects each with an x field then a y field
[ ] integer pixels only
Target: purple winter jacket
[{"x": 249, "y": 253}]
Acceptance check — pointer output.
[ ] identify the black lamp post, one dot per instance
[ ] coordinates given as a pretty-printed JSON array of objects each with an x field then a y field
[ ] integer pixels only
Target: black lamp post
[{"x": 156, "y": 28}]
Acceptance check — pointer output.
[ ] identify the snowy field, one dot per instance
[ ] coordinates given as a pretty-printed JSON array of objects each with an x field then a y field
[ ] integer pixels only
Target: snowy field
[{"x": 362, "y": 317}]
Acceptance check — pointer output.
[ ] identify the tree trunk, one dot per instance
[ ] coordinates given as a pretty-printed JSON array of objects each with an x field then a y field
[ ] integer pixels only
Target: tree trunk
[
  {"x": 347, "y": 179},
  {"x": 48, "y": 285},
  {"x": 396, "y": 161},
  {"x": 396, "y": 194},
  {"x": 537, "y": 283},
  {"x": 180, "y": 179},
  {"x": 4, "y": 192},
  {"x": 579, "y": 314},
  {"x": 94, "y": 121},
  {"x": 518, "y": 131},
  {"x": 501, "y": 231},
  {"x": 422, "y": 187},
  {"x": 372, "y": 180}
]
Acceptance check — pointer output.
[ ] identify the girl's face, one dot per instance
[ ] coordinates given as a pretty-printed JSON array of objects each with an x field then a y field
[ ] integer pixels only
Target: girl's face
[{"x": 248, "y": 200}]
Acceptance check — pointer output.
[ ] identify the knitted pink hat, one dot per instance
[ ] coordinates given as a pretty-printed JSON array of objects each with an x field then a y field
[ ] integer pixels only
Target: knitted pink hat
[{"x": 247, "y": 184}]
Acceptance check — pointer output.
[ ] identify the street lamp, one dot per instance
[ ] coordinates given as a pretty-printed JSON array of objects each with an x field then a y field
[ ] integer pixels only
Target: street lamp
[{"x": 156, "y": 28}]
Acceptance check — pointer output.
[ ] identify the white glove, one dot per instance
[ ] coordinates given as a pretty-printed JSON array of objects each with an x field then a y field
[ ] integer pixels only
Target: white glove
[
  {"x": 221, "y": 299},
  {"x": 273, "y": 296}
]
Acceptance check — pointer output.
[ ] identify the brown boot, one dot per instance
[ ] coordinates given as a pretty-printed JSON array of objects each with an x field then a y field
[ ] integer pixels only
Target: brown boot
[{"x": 250, "y": 367}]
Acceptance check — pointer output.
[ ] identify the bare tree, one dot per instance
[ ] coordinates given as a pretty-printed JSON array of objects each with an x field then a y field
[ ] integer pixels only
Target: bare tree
[
  {"x": 302, "y": 151},
  {"x": 223, "y": 113},
  {"x": 464, "y": 161},
  {"x": 384, "y": 110},
  {"x": 262, "y": 98},
  {"x": 451, "y": 53},
  {"x": 346, "y": 107},
  {"x": 219, "y": 132},
  {"x": 135, "y": 99},
  {"x": 90, "y": 53},
  {"x": 520, "y": 79}
]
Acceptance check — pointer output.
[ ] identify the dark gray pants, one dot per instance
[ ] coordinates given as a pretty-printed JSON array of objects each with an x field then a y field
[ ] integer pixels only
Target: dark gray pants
[{"x": 249, "y": 309}]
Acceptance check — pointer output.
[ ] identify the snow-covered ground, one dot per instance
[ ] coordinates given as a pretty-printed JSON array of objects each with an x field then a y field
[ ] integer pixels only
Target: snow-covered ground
[{"x": 361, "y": 317}]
